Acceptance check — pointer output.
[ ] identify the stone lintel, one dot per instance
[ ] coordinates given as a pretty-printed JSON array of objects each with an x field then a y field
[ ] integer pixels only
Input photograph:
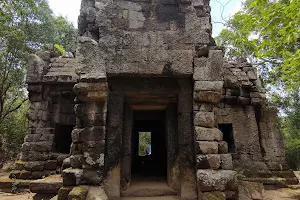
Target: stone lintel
[{"x": 91, "y": 92}]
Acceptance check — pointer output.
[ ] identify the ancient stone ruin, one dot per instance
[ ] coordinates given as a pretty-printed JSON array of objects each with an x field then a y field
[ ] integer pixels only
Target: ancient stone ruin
[{"x": 149, "y": 66}]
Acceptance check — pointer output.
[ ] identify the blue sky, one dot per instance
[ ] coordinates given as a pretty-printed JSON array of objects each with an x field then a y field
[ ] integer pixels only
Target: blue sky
[{"x": 70, "y": 9}]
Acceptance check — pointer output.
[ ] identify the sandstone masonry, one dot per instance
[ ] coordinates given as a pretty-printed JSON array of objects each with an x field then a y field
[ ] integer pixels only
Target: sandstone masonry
[{"x": 156, "y": 62}]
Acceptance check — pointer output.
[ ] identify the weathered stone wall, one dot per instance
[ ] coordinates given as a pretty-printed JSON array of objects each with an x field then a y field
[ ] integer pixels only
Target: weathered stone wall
[
  {"x": 214, "y": 163},
  {"x": 247, "y": 153},
  {"x": 271, "y": 139},
  {"x": 48, "y": 105},
  {"x": 88, "y": 136},
  {"x": 146, "y": 37},
  {"x": 244, "y": 106},
  {"x": 167, "y": 47}
]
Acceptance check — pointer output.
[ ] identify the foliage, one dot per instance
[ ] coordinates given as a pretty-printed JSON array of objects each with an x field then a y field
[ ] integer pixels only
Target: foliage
[
  {"x": 268, "y": 34},
  {"x": 144, "y": 141},
  {"x": 65, "y": 34},
  {"x": 60, "y": 49},
  {"x": 291, "y": 130},
  {"x": 26, "y": 26},
  {"x": 17, "y": 128}
]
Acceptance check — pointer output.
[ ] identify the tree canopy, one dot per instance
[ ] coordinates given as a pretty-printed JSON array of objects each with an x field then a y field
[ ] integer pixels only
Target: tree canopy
[
  {"x": 26, "y": 26},
  {"x": 267, "y": 33}
]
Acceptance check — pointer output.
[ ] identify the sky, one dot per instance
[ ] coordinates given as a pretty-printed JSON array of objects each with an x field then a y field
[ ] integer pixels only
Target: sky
[{"x": 70, "y": 9}]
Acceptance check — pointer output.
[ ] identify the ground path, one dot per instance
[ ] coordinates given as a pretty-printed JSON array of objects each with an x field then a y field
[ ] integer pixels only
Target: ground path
[{"x": 272, "y": 193}]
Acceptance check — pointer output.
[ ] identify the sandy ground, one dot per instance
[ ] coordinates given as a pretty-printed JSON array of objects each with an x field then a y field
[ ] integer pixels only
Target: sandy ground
[
  {"x": 24, "y": 196},
  {"x": 282, "y": 194},
  {"x": 21, "y": 196},
  {"x": 271, "y": 193}
]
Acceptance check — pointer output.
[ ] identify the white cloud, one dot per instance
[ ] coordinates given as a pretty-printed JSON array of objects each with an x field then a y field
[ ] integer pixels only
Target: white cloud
[{"x": 66, "y": 8}]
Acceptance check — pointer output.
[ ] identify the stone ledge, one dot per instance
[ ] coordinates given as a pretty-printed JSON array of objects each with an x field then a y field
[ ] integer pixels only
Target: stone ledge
[
  {"x": 6, "y": 183},
  {"x": 91, "y": 92},
  {"x": 49, "y": 185}
]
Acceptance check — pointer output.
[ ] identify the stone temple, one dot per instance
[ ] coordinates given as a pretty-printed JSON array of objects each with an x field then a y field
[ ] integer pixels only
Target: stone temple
[{"x": 149, "y": 66}]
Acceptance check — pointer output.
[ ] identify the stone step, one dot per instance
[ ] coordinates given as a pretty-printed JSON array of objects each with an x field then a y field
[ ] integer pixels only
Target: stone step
[
  {"x": 54, "y": 198},
  {"x": 274, "y": 181},
  {"x": 7, "y": 183},
  {"x": 48, "y": 185},
  {"x": 148, "y": 188},
  {"x": 152, "y": 198}
]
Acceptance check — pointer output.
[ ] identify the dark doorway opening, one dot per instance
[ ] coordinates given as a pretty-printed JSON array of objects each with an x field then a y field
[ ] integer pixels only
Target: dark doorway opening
[
  {"x": 149, "y": 144},
  {"x": 63, "y": 138},
  {"x": 227, "y": 131}
]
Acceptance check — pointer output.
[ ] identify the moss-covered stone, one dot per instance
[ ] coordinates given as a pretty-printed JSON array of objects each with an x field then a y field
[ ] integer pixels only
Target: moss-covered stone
[
  {"x": 78, "y": 193},
  {"x": 216, "y": 195},
  {"x": 64, "y": 192},
  {"x": 20, "y": 174},
  {"x": 48, "y": 185},
  {"x": 20, "y": 165}
]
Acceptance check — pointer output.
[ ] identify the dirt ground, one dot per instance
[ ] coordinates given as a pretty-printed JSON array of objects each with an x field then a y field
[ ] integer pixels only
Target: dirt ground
[
  {"x": 23, "y": 196},
  {"x": 271, "y": 193}
]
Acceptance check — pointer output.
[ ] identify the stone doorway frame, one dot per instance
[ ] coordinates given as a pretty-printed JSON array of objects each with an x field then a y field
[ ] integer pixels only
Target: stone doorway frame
[
  {"x": 119, "y": 112},
  {"x": 172, "y": 145}
]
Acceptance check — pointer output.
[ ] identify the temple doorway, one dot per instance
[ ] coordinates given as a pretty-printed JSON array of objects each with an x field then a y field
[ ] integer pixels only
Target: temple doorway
[
  {"x": 160, "y": 111},
  {"x": 149, "y": 158}
]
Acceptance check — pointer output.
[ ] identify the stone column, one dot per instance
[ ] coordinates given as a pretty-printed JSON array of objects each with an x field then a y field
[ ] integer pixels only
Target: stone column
[
  {"x": 186, "y": 143},
  {"x": 212, "y": 162},
  {"x": 88, "y": 137},
  {"x": 172, "y": 146},
  {"x": 114, "y": 143},
  {"x": 126, "y": 146}
]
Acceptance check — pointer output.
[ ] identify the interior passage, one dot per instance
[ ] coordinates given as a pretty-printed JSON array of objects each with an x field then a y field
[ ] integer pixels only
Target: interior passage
[{"x": 149, "y": 144}]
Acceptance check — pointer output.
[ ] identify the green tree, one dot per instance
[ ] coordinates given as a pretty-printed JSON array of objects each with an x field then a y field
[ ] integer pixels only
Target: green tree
[
  {"x": 291, "y": 130},
  {"x": 26, "y": 26},
  {"x": 267, "y": 33},
  {"x": 144, "y": 141}
]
